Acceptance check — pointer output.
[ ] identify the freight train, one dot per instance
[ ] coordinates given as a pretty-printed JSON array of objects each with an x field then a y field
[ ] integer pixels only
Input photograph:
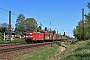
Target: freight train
[{"x": 43, "y": 36}]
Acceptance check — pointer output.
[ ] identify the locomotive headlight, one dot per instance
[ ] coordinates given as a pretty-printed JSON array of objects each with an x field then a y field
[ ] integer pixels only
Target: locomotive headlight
[
  {"x": 30, "y": 33},
  {"x": 26, "y": 36}
]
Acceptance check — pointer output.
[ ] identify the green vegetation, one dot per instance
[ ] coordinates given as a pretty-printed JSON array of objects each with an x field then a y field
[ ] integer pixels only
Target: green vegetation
[
  {"x": 30, "y": 24},
  {"x": 1, "y": 41},
  {"x": 66, "y": 43},
  {"x": 77, "y": 51},
  {"x": 4, "y": 28},
  {"x": 14, "y": 40},
  {"x": 20, "y": 24},
  {"x": 80, "y": 50},
  {"x": 18, "y": 40},
  {"x": 83, "y": 25},
  {"x": 23, "y": 24},
  {"x": 78, "y": 31},
  {"x": 1, "y": 38},
  {"x": 39, "y": 55}
]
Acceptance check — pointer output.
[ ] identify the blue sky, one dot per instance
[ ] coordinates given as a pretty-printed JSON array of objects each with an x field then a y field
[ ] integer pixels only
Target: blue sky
[{"x": 63, "y": 14}]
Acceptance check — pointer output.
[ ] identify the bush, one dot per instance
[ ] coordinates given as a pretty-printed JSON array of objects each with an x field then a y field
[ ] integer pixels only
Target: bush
[{"x": 1, "y": 37}]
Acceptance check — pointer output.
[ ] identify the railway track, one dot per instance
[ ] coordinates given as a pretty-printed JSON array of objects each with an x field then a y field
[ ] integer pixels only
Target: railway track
[
  {"x": 4, "y": 50},
  {"x": 8, "y": 53},
  {"x": 11, "y": 43},
  {"x": 17, "y": 44}
]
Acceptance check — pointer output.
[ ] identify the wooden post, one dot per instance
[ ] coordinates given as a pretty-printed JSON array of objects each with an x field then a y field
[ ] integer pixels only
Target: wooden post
[{"x": 83, "y": 21}]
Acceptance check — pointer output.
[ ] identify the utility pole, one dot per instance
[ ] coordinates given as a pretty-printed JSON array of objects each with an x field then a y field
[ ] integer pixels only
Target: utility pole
[
  {"x": 10, "y": 26},
  {"x": 83, "y": 22},
  {"x": 57, "y": 31},
  {"x": 50, "y": 31},
  {"x": 4, "y": 33},
  {"x": 50, "y": 26},
  {"x": 40, "y": 26},
  {"x": 57, "y": 35},
  {"x": 4, "y": 36}
]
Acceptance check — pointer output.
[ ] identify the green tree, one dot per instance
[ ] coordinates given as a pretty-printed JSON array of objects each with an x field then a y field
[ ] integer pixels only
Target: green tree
[
  {"x": 30, "y": 24},
  {"x": 86, "y": 32},
  {"x": 1, "y": 37},
  {"x": 87, "y": 25},
  {"x": 64, "y": 34},
  {"x": 78, "y": 31},
  {"x": 46, "y": 29},
  {"x": 4, "y": 28},
  {"x": 54, "y": 32},
  {"x": 20, "y": 24},
  {"x": 38, "y": 29}
]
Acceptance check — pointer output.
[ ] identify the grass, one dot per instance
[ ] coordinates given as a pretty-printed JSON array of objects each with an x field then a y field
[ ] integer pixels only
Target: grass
[
  {"x": 43, "y": 54},
  {"x": 66, "y": 43},
  {"x": 18, "y": 40},
  {"x": 15, "y": 40},
  {"x": 1, "y": 41},
  {"x": 77, "y": 51}
]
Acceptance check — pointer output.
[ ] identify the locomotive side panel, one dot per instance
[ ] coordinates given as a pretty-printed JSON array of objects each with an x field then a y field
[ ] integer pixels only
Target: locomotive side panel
[{"x": 39, "y": 36}]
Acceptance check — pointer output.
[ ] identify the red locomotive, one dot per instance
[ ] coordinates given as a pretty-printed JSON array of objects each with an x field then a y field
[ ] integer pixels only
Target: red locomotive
[{"x": 42, "y": 36}]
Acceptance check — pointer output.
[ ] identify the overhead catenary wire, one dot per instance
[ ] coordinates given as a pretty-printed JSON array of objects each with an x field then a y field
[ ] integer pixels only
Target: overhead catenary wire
[
  {"x": 13, "y": 6},
  {"x": 4, "y": 9},
  {"x": 23, "y": 11},
  {"x": 8, "y": 12},
  {"x": 3, "y": 19},
  {"x": 6, "y": 20}
]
